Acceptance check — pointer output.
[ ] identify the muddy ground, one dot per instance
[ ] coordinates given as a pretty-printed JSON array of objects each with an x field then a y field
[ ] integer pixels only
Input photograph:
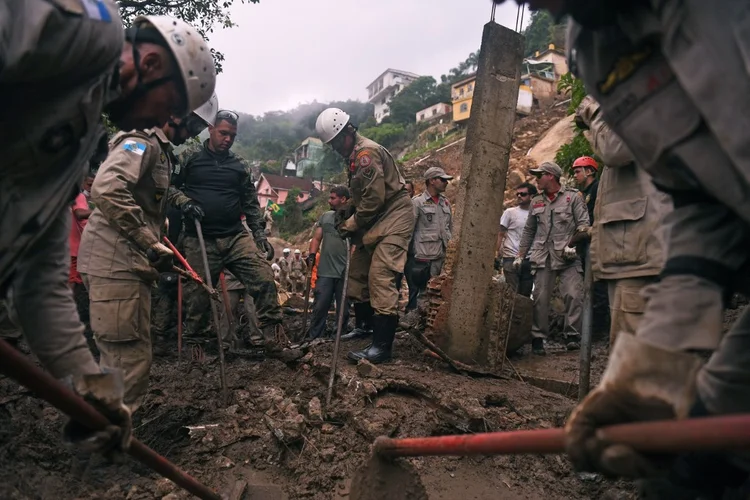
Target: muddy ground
[{"x": 274, "y": 431}]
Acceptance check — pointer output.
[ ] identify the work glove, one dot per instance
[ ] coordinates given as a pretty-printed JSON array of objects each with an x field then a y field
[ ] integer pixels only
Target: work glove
[
  {"x": 570, "y": 253},
  {"x": 580, "y": 236},
  {"x": 642, "y": 382},
  {"x": 193, "y": 211},
  {"x": 264, "y": 246},
  {"x": 517, "y": 262},
  {"x": 104, "y": 391},
  {"x": 343, "y": 214},
  {"x": 311, "y": 259},
  {"x": 347, "y": 228},
  {"x": 160, "y": 257}
]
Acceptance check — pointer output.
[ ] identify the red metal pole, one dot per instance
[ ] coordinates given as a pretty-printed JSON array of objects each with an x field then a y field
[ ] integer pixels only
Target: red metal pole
[
  {"x": 182, "y": 260},
  {"x": 179, "y": 318},
  {"x": 725, "y": 433},
  {"x": 18, "y": 367}
]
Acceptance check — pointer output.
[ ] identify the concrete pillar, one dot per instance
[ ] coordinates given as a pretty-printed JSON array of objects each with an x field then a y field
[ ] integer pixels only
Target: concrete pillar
[{"x": 480, "y": 197}]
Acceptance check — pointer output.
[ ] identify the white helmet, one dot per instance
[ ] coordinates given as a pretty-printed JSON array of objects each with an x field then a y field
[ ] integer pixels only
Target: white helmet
[
  {"x": 297, "y": 252},
  {"x": 286, "y": 250},
  {"x": 330, "y": 122},
  {"x": 207, "y": 111},
  {"x": 193, "y": 56}
]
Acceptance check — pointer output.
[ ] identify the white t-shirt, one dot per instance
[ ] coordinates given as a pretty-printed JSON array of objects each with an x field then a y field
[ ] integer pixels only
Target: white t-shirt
[{"x": 514, "y": 220}]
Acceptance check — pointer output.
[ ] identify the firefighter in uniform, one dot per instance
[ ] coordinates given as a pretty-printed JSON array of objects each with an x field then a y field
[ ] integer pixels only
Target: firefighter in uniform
[
  {"x": 379, "y": 228},
  {"x": 672, "y": 81},
  {"x": 121, "y": 250},
  {"x": 557, "y": 214},
  {"x": 298, "y": 270},
  {"x": 63, "y": 63}
]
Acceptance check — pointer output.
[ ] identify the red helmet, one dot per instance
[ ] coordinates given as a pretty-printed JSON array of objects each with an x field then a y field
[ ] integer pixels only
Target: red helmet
[{"x": 586, "y": 161}]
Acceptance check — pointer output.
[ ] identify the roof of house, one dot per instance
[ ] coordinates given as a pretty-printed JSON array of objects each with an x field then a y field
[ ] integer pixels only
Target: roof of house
[
  {"x": 437, "y": 104},
  {"x": 313, "y": 140},
  {"x": 465, "y": 80},
  {"x": 286, "y": 183},
  {"x": 397, "y": 71}
]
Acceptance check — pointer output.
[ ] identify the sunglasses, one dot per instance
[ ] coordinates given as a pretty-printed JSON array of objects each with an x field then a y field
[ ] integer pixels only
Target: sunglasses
[
  {"x": 521, "y": 195},
  {"x": 226, "y": 114}
]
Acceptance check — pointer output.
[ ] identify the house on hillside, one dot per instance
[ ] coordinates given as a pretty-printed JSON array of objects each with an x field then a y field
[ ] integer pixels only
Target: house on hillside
[
  {"x": 434, "y": 112},
  {"x": 542, "y": 72},
  {"x": 385, "y": 87},
  {"x": 275, "y": 188},
  {"x": 462, "y": 93},
  {"x": 307, "y": 155}
]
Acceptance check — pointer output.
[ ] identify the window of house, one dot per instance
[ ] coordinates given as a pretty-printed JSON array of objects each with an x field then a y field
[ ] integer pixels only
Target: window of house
[
  {"x": 421, "y": 116},
  {"x": 434, "y": 112},
  {"x": 461, "y": 93},
  {"x": 471, "y": 87},
  {"x": 464, "y": 107}
]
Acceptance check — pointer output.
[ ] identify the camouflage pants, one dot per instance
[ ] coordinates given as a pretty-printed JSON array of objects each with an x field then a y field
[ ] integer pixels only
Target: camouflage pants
[
  {"x": 239, "y": 255},
  {"x": 164, "y": 305}
]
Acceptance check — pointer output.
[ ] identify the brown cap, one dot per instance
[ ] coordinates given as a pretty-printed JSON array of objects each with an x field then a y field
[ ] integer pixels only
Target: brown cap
[
  {"x": 548, "y": 167},
  {"x": 434, "y": 172}
]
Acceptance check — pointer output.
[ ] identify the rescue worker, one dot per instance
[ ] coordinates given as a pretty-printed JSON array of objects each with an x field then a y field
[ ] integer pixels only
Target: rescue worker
[
  {"x": 164, "y": 295},
  {"x": 268, "y": 220},
  {"x": 63, "y": 63},
  {"x": 432, "y": 231},
  {"x": 585, "y": 169},
  {"x": 627, "y": 238},
  {"x": 121, "y": 252},
  {"x": 557, "y": 215},
  {"x": 297, "y": 272},
  {"x": 285, "y": 265},
  {"x": 331, "y": 248},
  {"x": 216, "y": 187},
  {"x": 680, "y": 107},
  {"x": 380, "y": 228}
]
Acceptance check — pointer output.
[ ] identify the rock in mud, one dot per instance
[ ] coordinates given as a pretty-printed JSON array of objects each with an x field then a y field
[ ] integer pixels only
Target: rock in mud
[
  {"x": 314, "y": 410},
  {"x": 368, "y": 370},
  {"x": 391, "y": 479}
]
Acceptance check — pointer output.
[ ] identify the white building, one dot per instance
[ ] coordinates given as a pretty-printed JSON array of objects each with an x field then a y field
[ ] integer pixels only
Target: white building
[
  {"x": 383, "y": 88},
  {"x": 434, "y": 112}
]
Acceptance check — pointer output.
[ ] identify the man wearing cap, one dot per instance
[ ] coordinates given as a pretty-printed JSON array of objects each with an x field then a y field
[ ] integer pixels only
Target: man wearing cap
[
  {"x": 432, "y": 231},
  {"x": 379, "y": 228},
  {"x": 557, "y": 215}
]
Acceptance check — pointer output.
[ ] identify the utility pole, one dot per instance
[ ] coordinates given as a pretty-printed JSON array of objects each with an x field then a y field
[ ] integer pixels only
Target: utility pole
[{"x": 480, "y": 197}]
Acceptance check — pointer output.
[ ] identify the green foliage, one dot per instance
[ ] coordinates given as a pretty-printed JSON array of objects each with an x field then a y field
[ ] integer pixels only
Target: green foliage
[
  {"x": 421, "y": 93},
  {"x": 433, "y": 145},
  {"x": 205, "y": 15},
  {"x": 568, "y": 153},
  {"x": 570, "y": 84},
  {"x": 542, "y": 31},
  {"x": 386, "y": 134},
  {"x": 292, "y": 221}
]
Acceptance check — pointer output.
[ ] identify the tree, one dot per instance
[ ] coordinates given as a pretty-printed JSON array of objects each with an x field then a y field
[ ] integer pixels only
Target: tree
[
  {"x": 203, "y": 14},
  {"x": 579, "y": 146},
  {"x": 420, "y": 94},
  {"x": 541, "y": 31}
]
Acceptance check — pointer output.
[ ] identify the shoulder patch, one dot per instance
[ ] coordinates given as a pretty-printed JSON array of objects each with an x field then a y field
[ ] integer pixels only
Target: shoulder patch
[
  {"x": 364, "y": 159},
  {"x": 134, "y": 146},
  {"x": 368, "y": 172}
]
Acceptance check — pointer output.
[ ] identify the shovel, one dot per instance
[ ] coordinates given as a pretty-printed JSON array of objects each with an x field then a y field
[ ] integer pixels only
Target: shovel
[{"x": 339, "y": 325}]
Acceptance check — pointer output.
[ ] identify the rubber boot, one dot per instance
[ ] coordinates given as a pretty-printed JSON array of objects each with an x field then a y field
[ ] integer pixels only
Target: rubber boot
[
  {"x": 537, "y": 347},
  {"x": 697, "y": 476},
  {"x": 384, "y": 331},
  {"x": 363, "y": 319}
]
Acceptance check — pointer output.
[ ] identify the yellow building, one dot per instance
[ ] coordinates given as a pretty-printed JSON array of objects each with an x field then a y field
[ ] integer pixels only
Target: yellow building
[{"x": 462, "y": 93}]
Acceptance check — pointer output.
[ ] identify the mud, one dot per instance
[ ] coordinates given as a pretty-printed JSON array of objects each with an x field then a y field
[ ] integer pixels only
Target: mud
[
  {"x": 391, "y": 479},
  {"x": 274, "y": 432}
]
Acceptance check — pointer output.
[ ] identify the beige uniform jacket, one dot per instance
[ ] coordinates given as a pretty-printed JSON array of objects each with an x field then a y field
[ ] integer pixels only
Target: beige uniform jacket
[
  {"x": 383, "y": 207},
  {"x": 129, "y": 193},
  {"x": 57, "y": 58},
  {"x": 434, "y": 226},
  {"x": 298, "y": 267},
  {"x": 628, "y": 238},
  {"x": 551, "y": 225}
]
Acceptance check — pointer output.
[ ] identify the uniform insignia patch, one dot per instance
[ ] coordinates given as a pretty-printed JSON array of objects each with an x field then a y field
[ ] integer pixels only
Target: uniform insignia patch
[
  {"x": 352, "y": 167},
  {"x": 567, "y": 198},
  {"x": 158, "y": 196},
  {"x": 623, "y": 69},
  {"x": 163, "y": 157},
  {"x": 134, "y": 147},
  {"x": 364, "y": 160},
  {"x": 588, "y": 198},
  {"x": 538, "y": 205},
  {"x": 367, "y": 173},
  {"x": 96, "y": 9}
]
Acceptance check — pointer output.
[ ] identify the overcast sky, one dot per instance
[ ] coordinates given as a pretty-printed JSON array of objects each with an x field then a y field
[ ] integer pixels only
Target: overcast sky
[{"x": 287, "y": 52}]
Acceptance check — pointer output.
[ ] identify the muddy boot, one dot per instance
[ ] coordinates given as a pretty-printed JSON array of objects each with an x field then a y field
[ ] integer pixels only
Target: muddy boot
[
  {"x": 384, "y": 331},
  {"x": 363, "y": 318},
  {"x": 537, "y": 347},
  {"x": 274, "y": 338}
]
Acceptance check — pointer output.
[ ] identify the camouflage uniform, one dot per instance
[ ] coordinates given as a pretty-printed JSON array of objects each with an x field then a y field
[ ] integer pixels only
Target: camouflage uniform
[
  {"x": 130, "y": 196},
  {"x": 57, "y": 61}
]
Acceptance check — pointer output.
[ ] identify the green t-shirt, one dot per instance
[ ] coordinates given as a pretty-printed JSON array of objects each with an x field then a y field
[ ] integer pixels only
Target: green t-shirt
[{"x": 332, "y": 262}]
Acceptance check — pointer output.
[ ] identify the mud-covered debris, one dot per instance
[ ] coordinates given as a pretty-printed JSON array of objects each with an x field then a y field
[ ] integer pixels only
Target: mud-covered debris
[
  {"x": 368, "y": 370},
  {"x": 314, "y": 410},
  {"x": 223, "y": 462},
  {"x": 164, "y": 486},
  {"x": 391, "y": 479}
]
